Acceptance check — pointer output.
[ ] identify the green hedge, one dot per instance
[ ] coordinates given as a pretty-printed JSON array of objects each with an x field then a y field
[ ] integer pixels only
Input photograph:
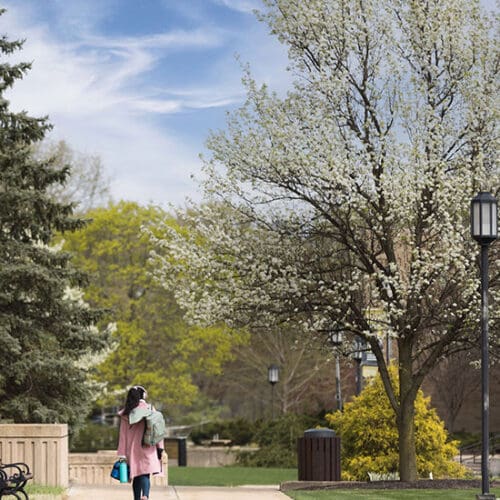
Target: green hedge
[
  {"x": 92, "y": 437},
  {"x": 277, "y": 441},
  {"x": 239, "y": 431}
]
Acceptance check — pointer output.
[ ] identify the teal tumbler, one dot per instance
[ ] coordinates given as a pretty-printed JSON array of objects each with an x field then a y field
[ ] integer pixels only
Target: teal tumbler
[{"x": 123, "y": 472}]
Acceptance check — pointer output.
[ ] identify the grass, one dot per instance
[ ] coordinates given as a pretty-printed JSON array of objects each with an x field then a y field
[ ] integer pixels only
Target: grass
[
  {"x": 228, "y": 476},
  {"x": 388, "y": 494},
  {"x": 36, "y": 489},
  {"x": 236, "y": 476}
]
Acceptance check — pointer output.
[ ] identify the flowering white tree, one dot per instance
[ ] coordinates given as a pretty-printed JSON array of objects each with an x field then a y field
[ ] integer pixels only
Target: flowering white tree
[{"x": 352, "y": 192}]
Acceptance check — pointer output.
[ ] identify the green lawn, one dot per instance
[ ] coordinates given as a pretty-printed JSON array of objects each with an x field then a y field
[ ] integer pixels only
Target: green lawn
[
  {"x": 228, "y": 476},
  {"x": 235, "y": 476},
  {"x": 468, "y": 494},
  {"x": 35, "y": 489}
]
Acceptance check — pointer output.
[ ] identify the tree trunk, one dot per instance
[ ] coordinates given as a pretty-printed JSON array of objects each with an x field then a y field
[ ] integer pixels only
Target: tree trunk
[
  {"x": 406, "y": 415},
  {"x": 407, "y": 452}
]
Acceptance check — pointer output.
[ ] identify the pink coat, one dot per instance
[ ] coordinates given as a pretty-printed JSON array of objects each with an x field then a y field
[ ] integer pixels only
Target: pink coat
[{"x": 141, "y": 459}]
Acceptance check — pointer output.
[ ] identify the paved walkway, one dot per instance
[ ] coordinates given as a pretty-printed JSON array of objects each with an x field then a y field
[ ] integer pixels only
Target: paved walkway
[{"x": 124, "y": 492}]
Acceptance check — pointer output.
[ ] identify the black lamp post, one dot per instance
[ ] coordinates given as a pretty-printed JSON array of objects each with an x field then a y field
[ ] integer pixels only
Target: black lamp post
[
  {"x": 484, "y": 217},
  {"x": 357, "y": 356},
  {"x": 336, "y": 340},
  {"x": 272, "y": 378}
]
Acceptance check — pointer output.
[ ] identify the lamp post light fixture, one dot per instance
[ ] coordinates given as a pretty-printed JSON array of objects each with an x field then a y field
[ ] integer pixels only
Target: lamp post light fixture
[
  {"x": 136, "y": 291},
  {"x": 484, "y": 217},
  {"x": 273, "y": 379}
]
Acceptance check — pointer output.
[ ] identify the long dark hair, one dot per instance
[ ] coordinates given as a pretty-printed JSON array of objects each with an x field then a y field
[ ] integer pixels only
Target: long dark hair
[{"x": 135, "y": 394}]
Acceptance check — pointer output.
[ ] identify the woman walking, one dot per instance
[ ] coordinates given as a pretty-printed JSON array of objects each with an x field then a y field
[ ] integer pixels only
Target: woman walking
[{"x": 142, "y": 460}]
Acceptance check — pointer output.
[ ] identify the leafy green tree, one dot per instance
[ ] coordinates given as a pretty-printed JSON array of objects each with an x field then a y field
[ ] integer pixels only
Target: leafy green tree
[
  {"x": 155, "y": 346},
  {"x": 369, "y": 434},
  {"x": 45, "y": 327}
]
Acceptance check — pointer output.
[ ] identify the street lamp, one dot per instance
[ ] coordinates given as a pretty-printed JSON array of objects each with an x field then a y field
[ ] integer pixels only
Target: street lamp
[
  {"x": 336, "y": 340},
  {"x": 272, "y": 378},
  {"x": 357, "y": 356},
  {"x": 484, "y": 216},
  {"x": 136, "y": 291}
]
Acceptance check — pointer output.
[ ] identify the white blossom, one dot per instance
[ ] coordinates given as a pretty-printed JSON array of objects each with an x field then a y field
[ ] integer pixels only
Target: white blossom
[{"x": 353, "y": 190}]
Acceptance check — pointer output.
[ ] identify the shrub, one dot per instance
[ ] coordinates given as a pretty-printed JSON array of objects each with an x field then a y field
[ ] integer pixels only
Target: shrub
[
  {"x": 239, "y": 431},
  {"x": 269, "y": 456},
  {"x": 467, "y": 438},
  {"x": 369, "y": 436},
  {"x": 277, "y": 440},
  {"x": 92, "y": 437},
  {"x": 206, "y": 432}
]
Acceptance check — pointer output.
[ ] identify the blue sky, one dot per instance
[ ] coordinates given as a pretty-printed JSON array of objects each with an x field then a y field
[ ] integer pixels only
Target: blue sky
[{"x": 140, "y": 82}]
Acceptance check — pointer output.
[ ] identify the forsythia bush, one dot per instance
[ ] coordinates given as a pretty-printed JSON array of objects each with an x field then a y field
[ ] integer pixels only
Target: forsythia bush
[{"x": 369, "y": 436}]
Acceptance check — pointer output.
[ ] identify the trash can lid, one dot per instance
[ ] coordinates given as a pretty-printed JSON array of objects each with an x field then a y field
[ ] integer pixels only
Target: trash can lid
[{"x": 323, "y": 432}]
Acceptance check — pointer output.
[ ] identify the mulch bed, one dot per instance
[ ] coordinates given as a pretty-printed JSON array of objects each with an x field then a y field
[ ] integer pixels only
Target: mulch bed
[{"x": 434, "y": 484}]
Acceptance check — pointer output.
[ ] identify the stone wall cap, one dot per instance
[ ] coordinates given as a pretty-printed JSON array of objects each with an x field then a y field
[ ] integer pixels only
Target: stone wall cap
[{"x": 33, "y": 430}]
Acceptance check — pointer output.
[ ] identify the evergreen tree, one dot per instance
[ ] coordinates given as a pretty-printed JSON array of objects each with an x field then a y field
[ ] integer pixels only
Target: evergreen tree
[{"x": 45, "y": 327}]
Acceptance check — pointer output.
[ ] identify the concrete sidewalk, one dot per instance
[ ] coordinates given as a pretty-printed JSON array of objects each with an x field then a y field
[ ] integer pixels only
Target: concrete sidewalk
[{"x": 124, "y": 492}]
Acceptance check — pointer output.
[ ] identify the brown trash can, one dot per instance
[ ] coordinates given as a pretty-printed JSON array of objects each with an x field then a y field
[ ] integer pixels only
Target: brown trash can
[{"x": 319, "y": 455}]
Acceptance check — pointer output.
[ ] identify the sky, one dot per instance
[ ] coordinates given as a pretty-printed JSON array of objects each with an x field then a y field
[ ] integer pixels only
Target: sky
[{"x": 140, "y": 83}]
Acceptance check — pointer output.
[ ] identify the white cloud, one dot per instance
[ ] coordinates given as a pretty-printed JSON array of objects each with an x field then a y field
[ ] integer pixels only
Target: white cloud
[
  {"x": 96, "y": 101},
  {"x": 144, "y": 163},
  {"x": 247, "y": 6},
  {"x": 172, "y": 39},
  {"x": 157, "y": 106},
  {"x": 99, "y": 93},
  {"x": 192, "y": 98},
  {"x": 165, "y": 106}
]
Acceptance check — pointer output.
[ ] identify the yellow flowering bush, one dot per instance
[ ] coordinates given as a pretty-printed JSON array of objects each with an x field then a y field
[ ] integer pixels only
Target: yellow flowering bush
[{"x": 367, "y": 427}]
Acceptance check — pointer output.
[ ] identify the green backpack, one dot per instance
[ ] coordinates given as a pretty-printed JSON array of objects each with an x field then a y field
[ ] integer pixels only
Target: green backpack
[{"x": 155, "y": 429}]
